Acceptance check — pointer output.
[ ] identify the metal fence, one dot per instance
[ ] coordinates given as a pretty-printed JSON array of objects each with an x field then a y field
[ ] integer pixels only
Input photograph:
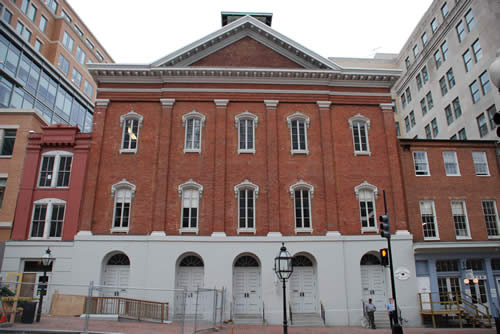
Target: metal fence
[{"x": 92, "y": 307}]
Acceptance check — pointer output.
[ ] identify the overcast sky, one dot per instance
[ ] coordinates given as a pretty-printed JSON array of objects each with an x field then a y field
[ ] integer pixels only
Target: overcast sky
[{"x": 144, "y": 31}]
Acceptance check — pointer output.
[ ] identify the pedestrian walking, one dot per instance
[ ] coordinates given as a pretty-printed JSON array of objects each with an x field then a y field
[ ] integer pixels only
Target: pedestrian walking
[
  {"x": 391, "y": 311},
  {"x": 370, "y": 310}
]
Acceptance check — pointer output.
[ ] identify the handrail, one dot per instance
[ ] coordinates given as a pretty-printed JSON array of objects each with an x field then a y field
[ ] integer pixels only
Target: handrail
[
  {"x": 365, "y": 315},
  {"x": 322, "y": 312},
  {"x": 290, "y": 311},
  {"x": 131, "y": 308},
  {"x": 263, "y": 313}
]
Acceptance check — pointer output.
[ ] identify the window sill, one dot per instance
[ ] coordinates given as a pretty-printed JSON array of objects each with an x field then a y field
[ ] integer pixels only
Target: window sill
[
  {"x": 119, "y": 229},
  {"x": 463, "y": 238},
  {"x": 247, "y": 230},
  {"x": 431, "y": 239},
  {"x": 356, "y": 153},
  {"x": 192, "y": 151},
  {"x": 483, "y": 175},
  {"x": 303, "y": 230},
  {"x": 5, "y": 156},
  {"x": 188, "y": 230},
  {"x": 45, "y": 238},
  {"x": 453, "y": 175},
  {"x": 494, "y": 237},
  {"x": 369, "y": 229},
  {"x": 128, "y": 151},
  {"x": 246, "y": 151},
  {"x": 301, "y": 152},
  {"x": 422, "y": 174}
]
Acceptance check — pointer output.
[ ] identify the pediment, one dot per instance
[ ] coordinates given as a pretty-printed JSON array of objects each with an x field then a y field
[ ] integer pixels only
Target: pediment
[{"x": 246, "y": 43}]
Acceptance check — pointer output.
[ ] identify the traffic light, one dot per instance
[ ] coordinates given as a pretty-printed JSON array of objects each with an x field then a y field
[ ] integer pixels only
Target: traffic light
[
  {"x": 496, "y": 119},
  {"x": 384, "y": 257},
  {"x": 385, "y": 228}
]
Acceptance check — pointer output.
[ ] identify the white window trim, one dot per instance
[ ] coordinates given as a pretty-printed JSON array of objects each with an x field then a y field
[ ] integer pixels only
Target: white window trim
[
  {"x": 468, "y": 237},
  {"x": 435, "y": 219},
  {"x": 191, "y": 184},
  {"x": 55, "y": 170},
  {"x": 367, "y": 186},
  {"x": 2, "y": 128},
  {"x": 301, "y": 185},
  {"x": 246, "y": 115},
  {"x": 486, "y": 160},
  {"x": 415, "y": 167},
  {"x": 131, "y": 115},
  {"x": 456, "y": 161},
  {"x": 185, "y": 118},
  {"x": 302, "y": 117},
  {"x": 48, "y": 216},
  {"x": 496, "y": 213},
  {"x": 123, "y": 184},
  {"x": 366, "y": 121},
  {"x": 247, "y": 185}
]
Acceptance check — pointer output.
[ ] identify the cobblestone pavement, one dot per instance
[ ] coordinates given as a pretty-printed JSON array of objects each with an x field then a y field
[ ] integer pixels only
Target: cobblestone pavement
[{"x": 130, "y": 327}]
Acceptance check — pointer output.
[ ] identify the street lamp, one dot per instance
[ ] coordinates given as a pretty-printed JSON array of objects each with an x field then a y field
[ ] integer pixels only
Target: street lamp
[
  {"x": 283, "y": 268},
  {"x": 46, "y": 262}
]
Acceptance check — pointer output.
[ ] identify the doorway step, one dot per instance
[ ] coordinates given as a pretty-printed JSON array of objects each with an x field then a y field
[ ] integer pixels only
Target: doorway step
[
  {"x": 248, "y": 319},
  {"x": 307, "y": 320}
]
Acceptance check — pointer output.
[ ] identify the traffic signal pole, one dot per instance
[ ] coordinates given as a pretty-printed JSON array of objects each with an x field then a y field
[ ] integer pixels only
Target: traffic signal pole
[{"x": 396, "y": 328}]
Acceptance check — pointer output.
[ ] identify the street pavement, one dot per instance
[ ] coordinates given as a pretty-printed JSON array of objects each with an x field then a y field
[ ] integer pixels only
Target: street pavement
[{"x": 132, "y": 327}]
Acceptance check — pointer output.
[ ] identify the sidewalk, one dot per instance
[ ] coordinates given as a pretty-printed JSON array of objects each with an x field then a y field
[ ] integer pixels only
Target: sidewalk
[{"x": 74, "y": 323}]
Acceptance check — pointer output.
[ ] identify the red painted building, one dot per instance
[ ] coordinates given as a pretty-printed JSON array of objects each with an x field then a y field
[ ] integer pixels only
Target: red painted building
[{"x": 51, "y": 189}]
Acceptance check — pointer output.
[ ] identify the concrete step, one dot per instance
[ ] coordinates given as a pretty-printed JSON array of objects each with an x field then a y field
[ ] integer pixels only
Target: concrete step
[
  {"x": 307, "y": 320},
  {"x": 248, "y": 319}
]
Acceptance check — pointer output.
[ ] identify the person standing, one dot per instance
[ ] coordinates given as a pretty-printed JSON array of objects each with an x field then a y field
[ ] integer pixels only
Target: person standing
[
  {"x": 391, "y": 311},
  {"x": 370, "y": 310}
]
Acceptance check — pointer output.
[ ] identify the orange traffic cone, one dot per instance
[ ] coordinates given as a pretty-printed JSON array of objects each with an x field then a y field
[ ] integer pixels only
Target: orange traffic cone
[{"x": 3, "y": 318}]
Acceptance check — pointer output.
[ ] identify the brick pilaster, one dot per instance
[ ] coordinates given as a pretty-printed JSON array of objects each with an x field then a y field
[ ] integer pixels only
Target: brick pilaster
[
  {"x": 220, "y": 167},
  {"x": 272, "y": 167}
]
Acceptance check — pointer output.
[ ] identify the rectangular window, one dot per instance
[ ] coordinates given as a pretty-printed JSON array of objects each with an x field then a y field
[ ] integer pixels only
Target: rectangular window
[
  {"x": 398, "y": 129},
  {"x": 428, "y": 134},
  {"x": 68, "y": 42},
  {"x": 246, "y": 209},
  {"x": 130, "y": 133},
  {"x": 444, "y": 10},
  {"x": 451, "y": 78},
  {"x": 20, "y": 28},
  {"x": 367, "y": 209},
  {"x": 476, "y": 49},
  {"x": 32, "y": 13},
  {"x": 88, "y": 89},
  {"x": 419, "y": 81},
  {"x": 52, "y": 4},
  {"x": 424, "y": 39},
  {"x": 403, "y": 100},
  {"x": 460, "y": 219},
  {"x": 246, "y": 135},
  {"x": 407, "y": 124},
  {"x": 437, "y": 58},
  {"x": 469, "y": 20},
  {"x": 408, "y": 94},
  {"x": 302, "y": 209},
  {"x": 462, "y": 135},
  {"x": 76, "y": 77},
  {"x": 457, "y": 108},
  {"x": 446, "y": 266},
  {"x": 451, "y": 163},
  {"x": 38, "y": 45},
  {"x": 360, "y": 135},
  {"x": 482, "y": 125},
  {"x": 460, "y": 31},
  {"x": 435, "y": 129},
  {"x": 425, "y": 75},
  {"x": 89, "y": 43},
  {"x": 78, "y": 30},
  {"x": 415, "y": 51},
  {"x": 467, "y": 60},
  {"x": 298, "y": 134},
  {"x": 99, "y": 56},
  {"x": 24, "y": 6},
  {"x": 26, "y": 35},
  {"x": 65, "y": 16},
  {"x": 80, "y": 55},
  {"x": 63, "y": 64},
  {"x": 193, "y": 135},
  {"x": 430, "y": 101},
  {"x": 491, "y": 218},
  {"x": 480, "y": 163},
  {"x": 43, "y": 23},
  {"x": 412, "y": 119},
  {"x": 434, "y": 25},
  {"x": 429, "y": 223},
  {"x": 444, "y": 50},
  {"x": 474, "y": 91},
  {"x": 449, "y": 114},
  {"x": 121, "y": 214},
  {"x": 7, "y": 140},
  {"x": 3, "y": 184},
  {"x": 48, "y": 219},
  {"x": 423, "y": 106},
  {"x": 449, "y": 288},
  {"x": 444, "y": 87},
  {"x": 38, "y": 221},
  {"x": 55, "y": 171},
  {"x": 190, "y": 205},
  {"x": 485, "y": 82},
  {"x": 407, "y": 62},
  {"x": 421, "y": 164},
  {"x": 7, "y": 16},
  {"x": 491, "y": 113}
]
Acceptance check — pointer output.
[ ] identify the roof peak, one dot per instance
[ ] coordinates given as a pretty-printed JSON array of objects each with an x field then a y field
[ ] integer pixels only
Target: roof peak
[{"x": 229, "y": 17}]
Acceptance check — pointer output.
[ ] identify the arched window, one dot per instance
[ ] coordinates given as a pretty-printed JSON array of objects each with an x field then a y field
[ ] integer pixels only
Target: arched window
[
  {"x": 246, "y": 123},
  {"x": 301, "y": 194},
  {"x": 193, "y": 122},
  {"x": 55, "y": 169},
  {"x": 48, "y": 218},
  {"x": 298, "y": 124},
  {"x": 123, "y": 192},
  {"x": 190, "y": 193},
  {"x": 366, "y": 195},
  {"x": 130, "y": 123},
  {"x": 246, "y": 193},
  {"x": 360, "y": 126},
  {"x": 246, "y": 261}
]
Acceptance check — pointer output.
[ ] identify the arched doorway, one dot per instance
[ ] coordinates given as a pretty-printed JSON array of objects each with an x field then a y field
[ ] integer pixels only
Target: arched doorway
[
  {"x": 373, "y": 280},
  {"x": 303, "y": 292},
  {"x": 247, "y": 297},
  {"x": 190, "y": 277},
  {"x": 116, "y": 274}
]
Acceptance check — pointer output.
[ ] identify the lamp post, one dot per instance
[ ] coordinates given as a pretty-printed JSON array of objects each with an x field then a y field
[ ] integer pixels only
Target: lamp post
[
  {"x": 283, "y": 268},
  {"x": 46, "y": 262}
]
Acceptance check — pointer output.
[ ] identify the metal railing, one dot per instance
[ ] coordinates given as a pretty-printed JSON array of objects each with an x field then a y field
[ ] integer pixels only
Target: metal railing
[
  {"x": 290, "y": 312},
  {"x": 323, "y": 315}
]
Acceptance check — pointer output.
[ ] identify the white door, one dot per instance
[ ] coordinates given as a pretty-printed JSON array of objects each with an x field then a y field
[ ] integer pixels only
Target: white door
[
  {"x": 424, "y": 288},
  {"x": 116, "y": 277},
  {"x": 303, "y": 290},
  {"x": 246, "y": 290},
  {"x": 189, "y": 279},
  {"x": 373, "y": 285}
]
